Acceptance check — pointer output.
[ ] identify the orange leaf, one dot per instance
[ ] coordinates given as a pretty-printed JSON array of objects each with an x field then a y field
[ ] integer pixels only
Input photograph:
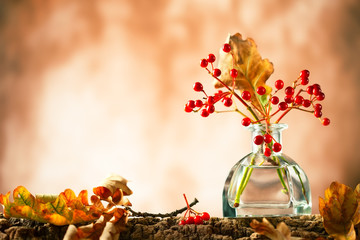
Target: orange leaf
[
  {"x": 253, "y": 71},
  {"x": 282, "y": 231},
  {"x": 83, "y": 197},
  {"x": 57, "y": 219},
  {"x": 68, "y": 195},
  {"x": 102, "y": 192}
]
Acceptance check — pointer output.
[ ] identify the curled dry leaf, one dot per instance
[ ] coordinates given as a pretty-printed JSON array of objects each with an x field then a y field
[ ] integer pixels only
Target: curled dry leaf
[
  {"x": 114, "y": 182},
  {"x": 340, "y": 210},
  {"x": 253, "y": 71},
  {"x": 282, "y": 231}
]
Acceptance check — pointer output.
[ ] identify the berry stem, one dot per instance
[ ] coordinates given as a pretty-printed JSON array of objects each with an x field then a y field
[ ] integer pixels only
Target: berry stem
[
  {"x": 286, "y": 111},
  {"x": 187, "y": 203},
  {"x": 236, "y": 95}
]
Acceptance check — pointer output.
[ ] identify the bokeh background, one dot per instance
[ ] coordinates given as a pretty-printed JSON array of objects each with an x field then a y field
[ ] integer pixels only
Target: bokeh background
[{"x": 89, "y": 88}]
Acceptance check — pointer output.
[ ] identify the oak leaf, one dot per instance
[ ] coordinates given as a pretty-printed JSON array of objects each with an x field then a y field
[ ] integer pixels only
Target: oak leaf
[
  {"x": 340, "y": 210},
  {"x": 282, "y": 231},
  {"x": 253, "y": 71}
]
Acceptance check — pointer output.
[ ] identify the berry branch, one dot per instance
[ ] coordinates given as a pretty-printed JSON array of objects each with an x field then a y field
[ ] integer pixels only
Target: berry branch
[{"x": 162, "y": 215}]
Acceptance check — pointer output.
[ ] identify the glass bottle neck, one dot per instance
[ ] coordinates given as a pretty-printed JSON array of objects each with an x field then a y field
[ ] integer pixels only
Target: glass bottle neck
[{"x": 275, "y": 130}]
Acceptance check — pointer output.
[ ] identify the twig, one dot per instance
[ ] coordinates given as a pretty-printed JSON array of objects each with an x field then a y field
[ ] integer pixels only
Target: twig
[{"x": 161, "y": 215}]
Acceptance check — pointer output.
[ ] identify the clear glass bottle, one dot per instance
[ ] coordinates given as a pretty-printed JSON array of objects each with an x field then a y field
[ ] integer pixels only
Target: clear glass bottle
[{"x": 266, "y": 186}]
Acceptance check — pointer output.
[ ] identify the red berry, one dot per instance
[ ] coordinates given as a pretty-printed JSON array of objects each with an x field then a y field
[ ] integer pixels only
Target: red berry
[
  {"x": 187, "y": 108},
  {"x": 317, "y": 107},
  {"x": 326, "y": 121},
  {"x": 233, "y": 73},
  {"x": 299, "y": 100},
  {"x": 198, "y": 220},
  {"x": 279, "y": 84},
  {"x": 288, "y": 99},
  {"x": 306, "y": 103},
  {"x": 198, "y": 87},
  {"x": 316, "y": 89},
  {"x": 205, "y": 216},
  {"x": 211, "y": 58},
  {"x": 289, "y": 91},
  {"x": 283, "y": 106},
  {"x": 190, "y": 220},
  {"x": 227, "y": 102},
  {"x": 317, "y": 113},
  {"x": 317, "y": 86},
  {"x": 211, "y": 100},
  {"x": 304, "y": 81},
  {"x": 204, "y": 113},
  {"x": 267, "y": 138},
  {"x": 217, "y": 72},
  {"x": 210, "y": 108},
  {"x": 191, "y": 103},
  {"x": 277, "y": 147},
  {"x": 261, "y": 90},
  {"x": 199, "y": 103},
  {"x": 305, "y": 73},
  {"x": 258, "y": 139},
  {"x": 320, "y": 96},
  {"x": 309, "y": 90},
  {"x": 226, "y": 48},
  {"x": 182, "y": 222},
  {"x": 203, "y": 63},
  {"x": 246, "y": 122},
  {"x": 267, "y": 152},
  {"x": 246, "y": 95},
  {"x": 274, "y": 100}
]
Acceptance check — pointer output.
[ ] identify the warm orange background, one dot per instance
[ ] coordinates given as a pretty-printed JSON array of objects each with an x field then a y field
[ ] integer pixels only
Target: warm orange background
[{"x": 93, "y": 87}]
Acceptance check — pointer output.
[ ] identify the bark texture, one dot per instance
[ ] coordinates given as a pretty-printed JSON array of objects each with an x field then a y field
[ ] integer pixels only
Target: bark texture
[{"x": 307, "y": 227}]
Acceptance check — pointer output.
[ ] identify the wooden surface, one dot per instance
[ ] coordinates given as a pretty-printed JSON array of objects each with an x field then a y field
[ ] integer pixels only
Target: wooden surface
[{"x": 307, "y": 227}]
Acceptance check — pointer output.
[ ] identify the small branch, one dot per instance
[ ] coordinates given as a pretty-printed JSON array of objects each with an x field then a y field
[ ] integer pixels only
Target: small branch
[{"x": 161, "y": 215}]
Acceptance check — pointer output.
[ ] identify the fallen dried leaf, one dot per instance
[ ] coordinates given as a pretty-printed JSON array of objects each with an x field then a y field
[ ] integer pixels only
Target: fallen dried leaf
[
  {"x": 282, "y": 231},
  {"x": 340, "y": 210}
]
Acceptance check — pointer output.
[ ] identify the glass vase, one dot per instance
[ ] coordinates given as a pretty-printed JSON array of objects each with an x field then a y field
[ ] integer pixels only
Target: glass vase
[{"x": 260, "y": 186}]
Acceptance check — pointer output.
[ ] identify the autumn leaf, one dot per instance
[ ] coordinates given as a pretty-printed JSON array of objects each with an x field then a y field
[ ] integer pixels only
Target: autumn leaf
[
  {"x": 114, "y": 181},
  {"x": 253, "y": 71},
  {"x": 68, "y": 209},
  {"x": 340, "y": 210},
  {"x": 282, "y": 231}
]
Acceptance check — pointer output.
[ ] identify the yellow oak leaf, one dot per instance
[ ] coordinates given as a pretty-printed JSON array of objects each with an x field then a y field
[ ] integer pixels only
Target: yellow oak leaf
[
  {"x": 282, "y": 231},
  {"x": 340, "y": 210},
  {"x": 253, "y": 71}
]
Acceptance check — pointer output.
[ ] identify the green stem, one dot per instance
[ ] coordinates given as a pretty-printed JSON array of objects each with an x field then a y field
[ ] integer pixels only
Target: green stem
[
  {"x": 244, "y": 181},
  {"x": 282, "y": 181},
  {"x": 302, "y": 184}
]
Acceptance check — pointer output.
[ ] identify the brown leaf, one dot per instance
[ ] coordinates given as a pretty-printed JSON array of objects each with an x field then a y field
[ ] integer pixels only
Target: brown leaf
[
  {"x": 282, "y": 231},
  {"x": 339, "y": 210},
  {"x": 253, "y": 71},
  {"x": 102, "y": 192}
]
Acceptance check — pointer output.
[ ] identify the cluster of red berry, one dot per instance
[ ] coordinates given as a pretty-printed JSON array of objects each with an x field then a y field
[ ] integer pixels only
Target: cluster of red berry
[
  {"x": 292, "y": 99},
  {"x": 193, "y": 217}
]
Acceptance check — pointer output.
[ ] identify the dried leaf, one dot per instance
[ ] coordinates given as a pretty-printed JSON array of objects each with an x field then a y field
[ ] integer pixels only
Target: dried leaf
[
  {"x": 253, "y": 71},
  {"x": 282, "y": 231},
  {"x": 114, "y": 182},
  {"x": 67, "y": 208},
  {"x": 71, "y": 233},
  {"x": 340, "y": 211}
]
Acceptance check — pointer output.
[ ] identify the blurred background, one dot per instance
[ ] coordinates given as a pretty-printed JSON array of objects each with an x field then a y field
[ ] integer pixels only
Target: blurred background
[{"x": 89, "y": 88}]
